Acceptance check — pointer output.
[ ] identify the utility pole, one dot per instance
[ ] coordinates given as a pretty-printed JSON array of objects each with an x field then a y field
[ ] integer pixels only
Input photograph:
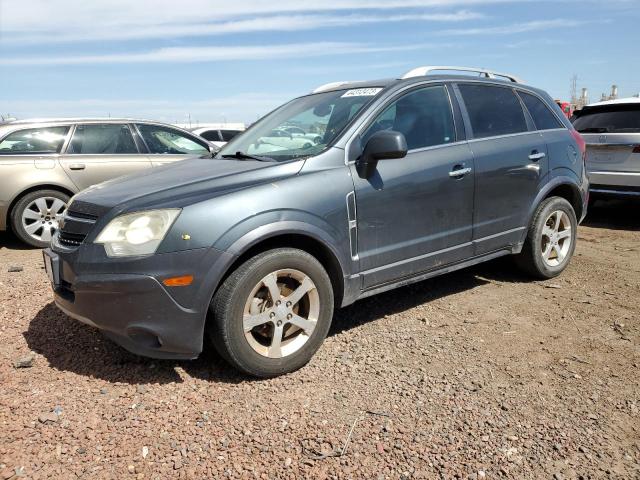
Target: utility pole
[{"x": 574, "y": 89}]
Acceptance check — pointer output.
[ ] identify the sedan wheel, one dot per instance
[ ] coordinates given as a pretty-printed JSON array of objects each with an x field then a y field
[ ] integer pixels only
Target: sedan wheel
[
  {"x": 40, "y": 218},
  {"x": 36, "y": 216}
]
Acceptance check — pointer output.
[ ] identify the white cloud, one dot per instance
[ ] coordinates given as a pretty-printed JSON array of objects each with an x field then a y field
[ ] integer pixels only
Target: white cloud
[
  {"x": 516, "y": 27},
  {"x": 53, "y": 20},
  {"x": 218, "y": 54},
  {"x": 281, "y": 23}
]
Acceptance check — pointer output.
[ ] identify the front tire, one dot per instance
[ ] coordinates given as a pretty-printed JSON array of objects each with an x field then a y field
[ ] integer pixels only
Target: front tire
[
  {"x": 272, "y": 313},
  {"x": 35, "y": 216},
  {"x": 551, "y": 239}
]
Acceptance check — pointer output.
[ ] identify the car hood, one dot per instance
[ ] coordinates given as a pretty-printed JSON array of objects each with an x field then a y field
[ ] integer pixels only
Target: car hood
[{"x": 184, "y": 182}]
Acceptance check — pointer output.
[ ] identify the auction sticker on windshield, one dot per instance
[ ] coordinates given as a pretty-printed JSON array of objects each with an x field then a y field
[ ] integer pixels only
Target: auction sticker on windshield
[{"x": 361, "y": 92}]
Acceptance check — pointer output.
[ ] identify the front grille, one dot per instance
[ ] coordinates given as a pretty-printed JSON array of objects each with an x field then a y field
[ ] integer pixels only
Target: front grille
[
  {"x": 70, "y": 239},
  {"x": 75, "y": 227}
]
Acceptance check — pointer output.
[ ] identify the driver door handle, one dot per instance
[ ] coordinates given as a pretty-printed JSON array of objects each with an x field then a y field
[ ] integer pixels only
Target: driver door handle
[
  {"x": 77, "y": 166},
  {"x": 535, "y": 155},
  {"x": 460, "y": 172}
]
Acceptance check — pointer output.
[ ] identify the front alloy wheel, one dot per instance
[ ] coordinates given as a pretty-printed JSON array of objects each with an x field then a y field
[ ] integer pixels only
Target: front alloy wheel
[
  {"x": 272, "y": 313},
  {"x": 281, "y": 313}
]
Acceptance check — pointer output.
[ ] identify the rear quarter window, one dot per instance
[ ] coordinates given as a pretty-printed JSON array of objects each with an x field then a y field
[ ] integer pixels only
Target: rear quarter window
[
  {"x": 34, "y": 140},
  {"x": 542, "y": 116},
  {"x": 493, "y": 110}
]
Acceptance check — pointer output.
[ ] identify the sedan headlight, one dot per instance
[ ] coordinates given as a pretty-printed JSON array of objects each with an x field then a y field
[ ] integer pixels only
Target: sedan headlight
[{"x": 137, "y": 233}]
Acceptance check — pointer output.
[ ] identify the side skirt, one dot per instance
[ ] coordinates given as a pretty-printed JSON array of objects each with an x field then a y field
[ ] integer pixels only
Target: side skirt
[{"x": 433, "y": 273}]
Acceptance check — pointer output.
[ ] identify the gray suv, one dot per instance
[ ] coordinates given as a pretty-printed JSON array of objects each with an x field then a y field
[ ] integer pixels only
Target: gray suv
[
  {"x": 44, "y": 162},
  {"x": 412, "y": 177}
]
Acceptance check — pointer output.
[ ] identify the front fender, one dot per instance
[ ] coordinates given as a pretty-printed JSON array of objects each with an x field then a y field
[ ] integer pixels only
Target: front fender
[
  {"x": 267, "y": 225},
  {"x": 241, "y": 238}
]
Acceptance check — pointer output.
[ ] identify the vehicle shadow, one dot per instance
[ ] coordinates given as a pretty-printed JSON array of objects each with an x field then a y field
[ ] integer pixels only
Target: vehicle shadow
[
  {"x": 614, "y": 214},
  {"x": 69, "y": 345},
  {"x": 10, "y": 241}
]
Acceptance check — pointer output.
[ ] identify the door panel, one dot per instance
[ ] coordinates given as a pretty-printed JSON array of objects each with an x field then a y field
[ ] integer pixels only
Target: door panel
[
  {"x": 412, "y": 215},
  {"x": 87, "y": 170},
  {"x": 509, "y": 174},
  {"x": 100, "y": 152}
]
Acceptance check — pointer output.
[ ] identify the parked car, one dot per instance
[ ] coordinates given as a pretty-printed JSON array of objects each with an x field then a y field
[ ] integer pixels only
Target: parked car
[
  {"x": 218, "y": 135},
  {"x": 44, "y": 162},
  {"x": 612, "y": 132},
  {"x": 414, "y": 177}
]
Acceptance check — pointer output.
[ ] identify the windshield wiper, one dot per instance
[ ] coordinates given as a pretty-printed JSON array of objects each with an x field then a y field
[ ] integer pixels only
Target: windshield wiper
[{"x": 246, "y": 156}]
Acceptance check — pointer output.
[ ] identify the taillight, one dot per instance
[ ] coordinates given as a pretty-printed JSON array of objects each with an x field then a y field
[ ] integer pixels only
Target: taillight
[
  {"x": 636, "y": 149},
  {"x": 582, "y": 145}
]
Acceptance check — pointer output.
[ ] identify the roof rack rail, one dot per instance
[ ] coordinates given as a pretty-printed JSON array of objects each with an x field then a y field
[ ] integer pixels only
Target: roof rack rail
[
  {"x": 426, "y": 70},
  {"x": 329, "y": 86}
]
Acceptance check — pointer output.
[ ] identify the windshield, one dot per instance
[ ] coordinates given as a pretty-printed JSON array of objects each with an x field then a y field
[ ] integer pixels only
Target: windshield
[
  {"x": 303, "y": 127},
  {"x": 608, "y": 119}
]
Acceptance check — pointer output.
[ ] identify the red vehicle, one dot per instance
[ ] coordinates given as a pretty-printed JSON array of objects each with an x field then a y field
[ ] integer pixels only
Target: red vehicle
[{"x": 566, "y": 108}]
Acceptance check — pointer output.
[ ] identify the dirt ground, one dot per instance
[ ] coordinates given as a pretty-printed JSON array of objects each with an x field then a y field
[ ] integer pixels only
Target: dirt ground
[{"x": 477, "y": 374}]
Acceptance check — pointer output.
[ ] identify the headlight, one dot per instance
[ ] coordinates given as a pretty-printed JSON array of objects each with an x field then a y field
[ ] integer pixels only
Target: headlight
[{"x": 137, "y": 233}]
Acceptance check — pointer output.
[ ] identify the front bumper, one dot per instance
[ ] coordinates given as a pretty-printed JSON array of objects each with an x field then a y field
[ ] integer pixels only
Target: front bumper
[{"x": 131, "y": 305}]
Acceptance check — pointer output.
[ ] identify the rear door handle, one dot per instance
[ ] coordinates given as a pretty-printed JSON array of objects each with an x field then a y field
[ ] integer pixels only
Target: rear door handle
[
  {"x": 535, "y": 155},
  {"x": 77, "y": 166},
  {"x": 460, "y": 172}
]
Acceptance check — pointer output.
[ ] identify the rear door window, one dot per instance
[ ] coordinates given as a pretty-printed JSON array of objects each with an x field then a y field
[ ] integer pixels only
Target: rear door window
[
  {"x": 608, "y": 119},
  {"x": 493, "y": 111},
  {"x": 164, "y": 140},
  {"x": 102, "y": 139},
  {"x": 44, "y": 140},
  {"x": 542, "y": 116}
]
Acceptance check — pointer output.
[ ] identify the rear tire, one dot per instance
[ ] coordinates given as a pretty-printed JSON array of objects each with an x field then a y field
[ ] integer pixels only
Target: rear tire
[
  {"x": 34, "y": 218},
  {"x": 272, "y": 313},
  {"x": 551, "y": 239}
]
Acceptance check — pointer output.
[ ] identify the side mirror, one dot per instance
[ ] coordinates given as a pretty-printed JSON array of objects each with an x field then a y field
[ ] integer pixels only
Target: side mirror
[{"x": 383, "y": 145}]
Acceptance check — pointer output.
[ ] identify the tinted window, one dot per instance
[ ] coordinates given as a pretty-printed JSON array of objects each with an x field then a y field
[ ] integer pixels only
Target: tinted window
[
  {"x": 34, "y": 140},
  {"x": 542, "y": 116},
  {"x": 493, "y": 110},
  {"x": 423, "y": 116},
  {"x": 211, "y": 135},
  {"x": 166, "y": 140},
  {"x": 229, "y": 134},
  {"x": 608, "y": 118},
  {"x": 102, "y": 139}
]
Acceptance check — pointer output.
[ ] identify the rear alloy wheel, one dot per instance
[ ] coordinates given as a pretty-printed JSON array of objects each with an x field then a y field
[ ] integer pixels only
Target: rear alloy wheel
[
  {"x": 272, "y": 313},
  {"x": 556, "y": 239},
  {"x": 551, "y": 239},
  {"x": 35, "y": 218}
]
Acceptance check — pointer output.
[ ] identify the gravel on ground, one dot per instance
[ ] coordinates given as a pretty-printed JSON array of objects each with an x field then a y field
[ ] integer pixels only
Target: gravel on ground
[{"x": 477, "y": 374}]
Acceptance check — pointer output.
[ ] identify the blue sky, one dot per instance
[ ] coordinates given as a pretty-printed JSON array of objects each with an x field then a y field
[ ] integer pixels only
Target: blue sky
[{"x": 220, "y": 60}]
